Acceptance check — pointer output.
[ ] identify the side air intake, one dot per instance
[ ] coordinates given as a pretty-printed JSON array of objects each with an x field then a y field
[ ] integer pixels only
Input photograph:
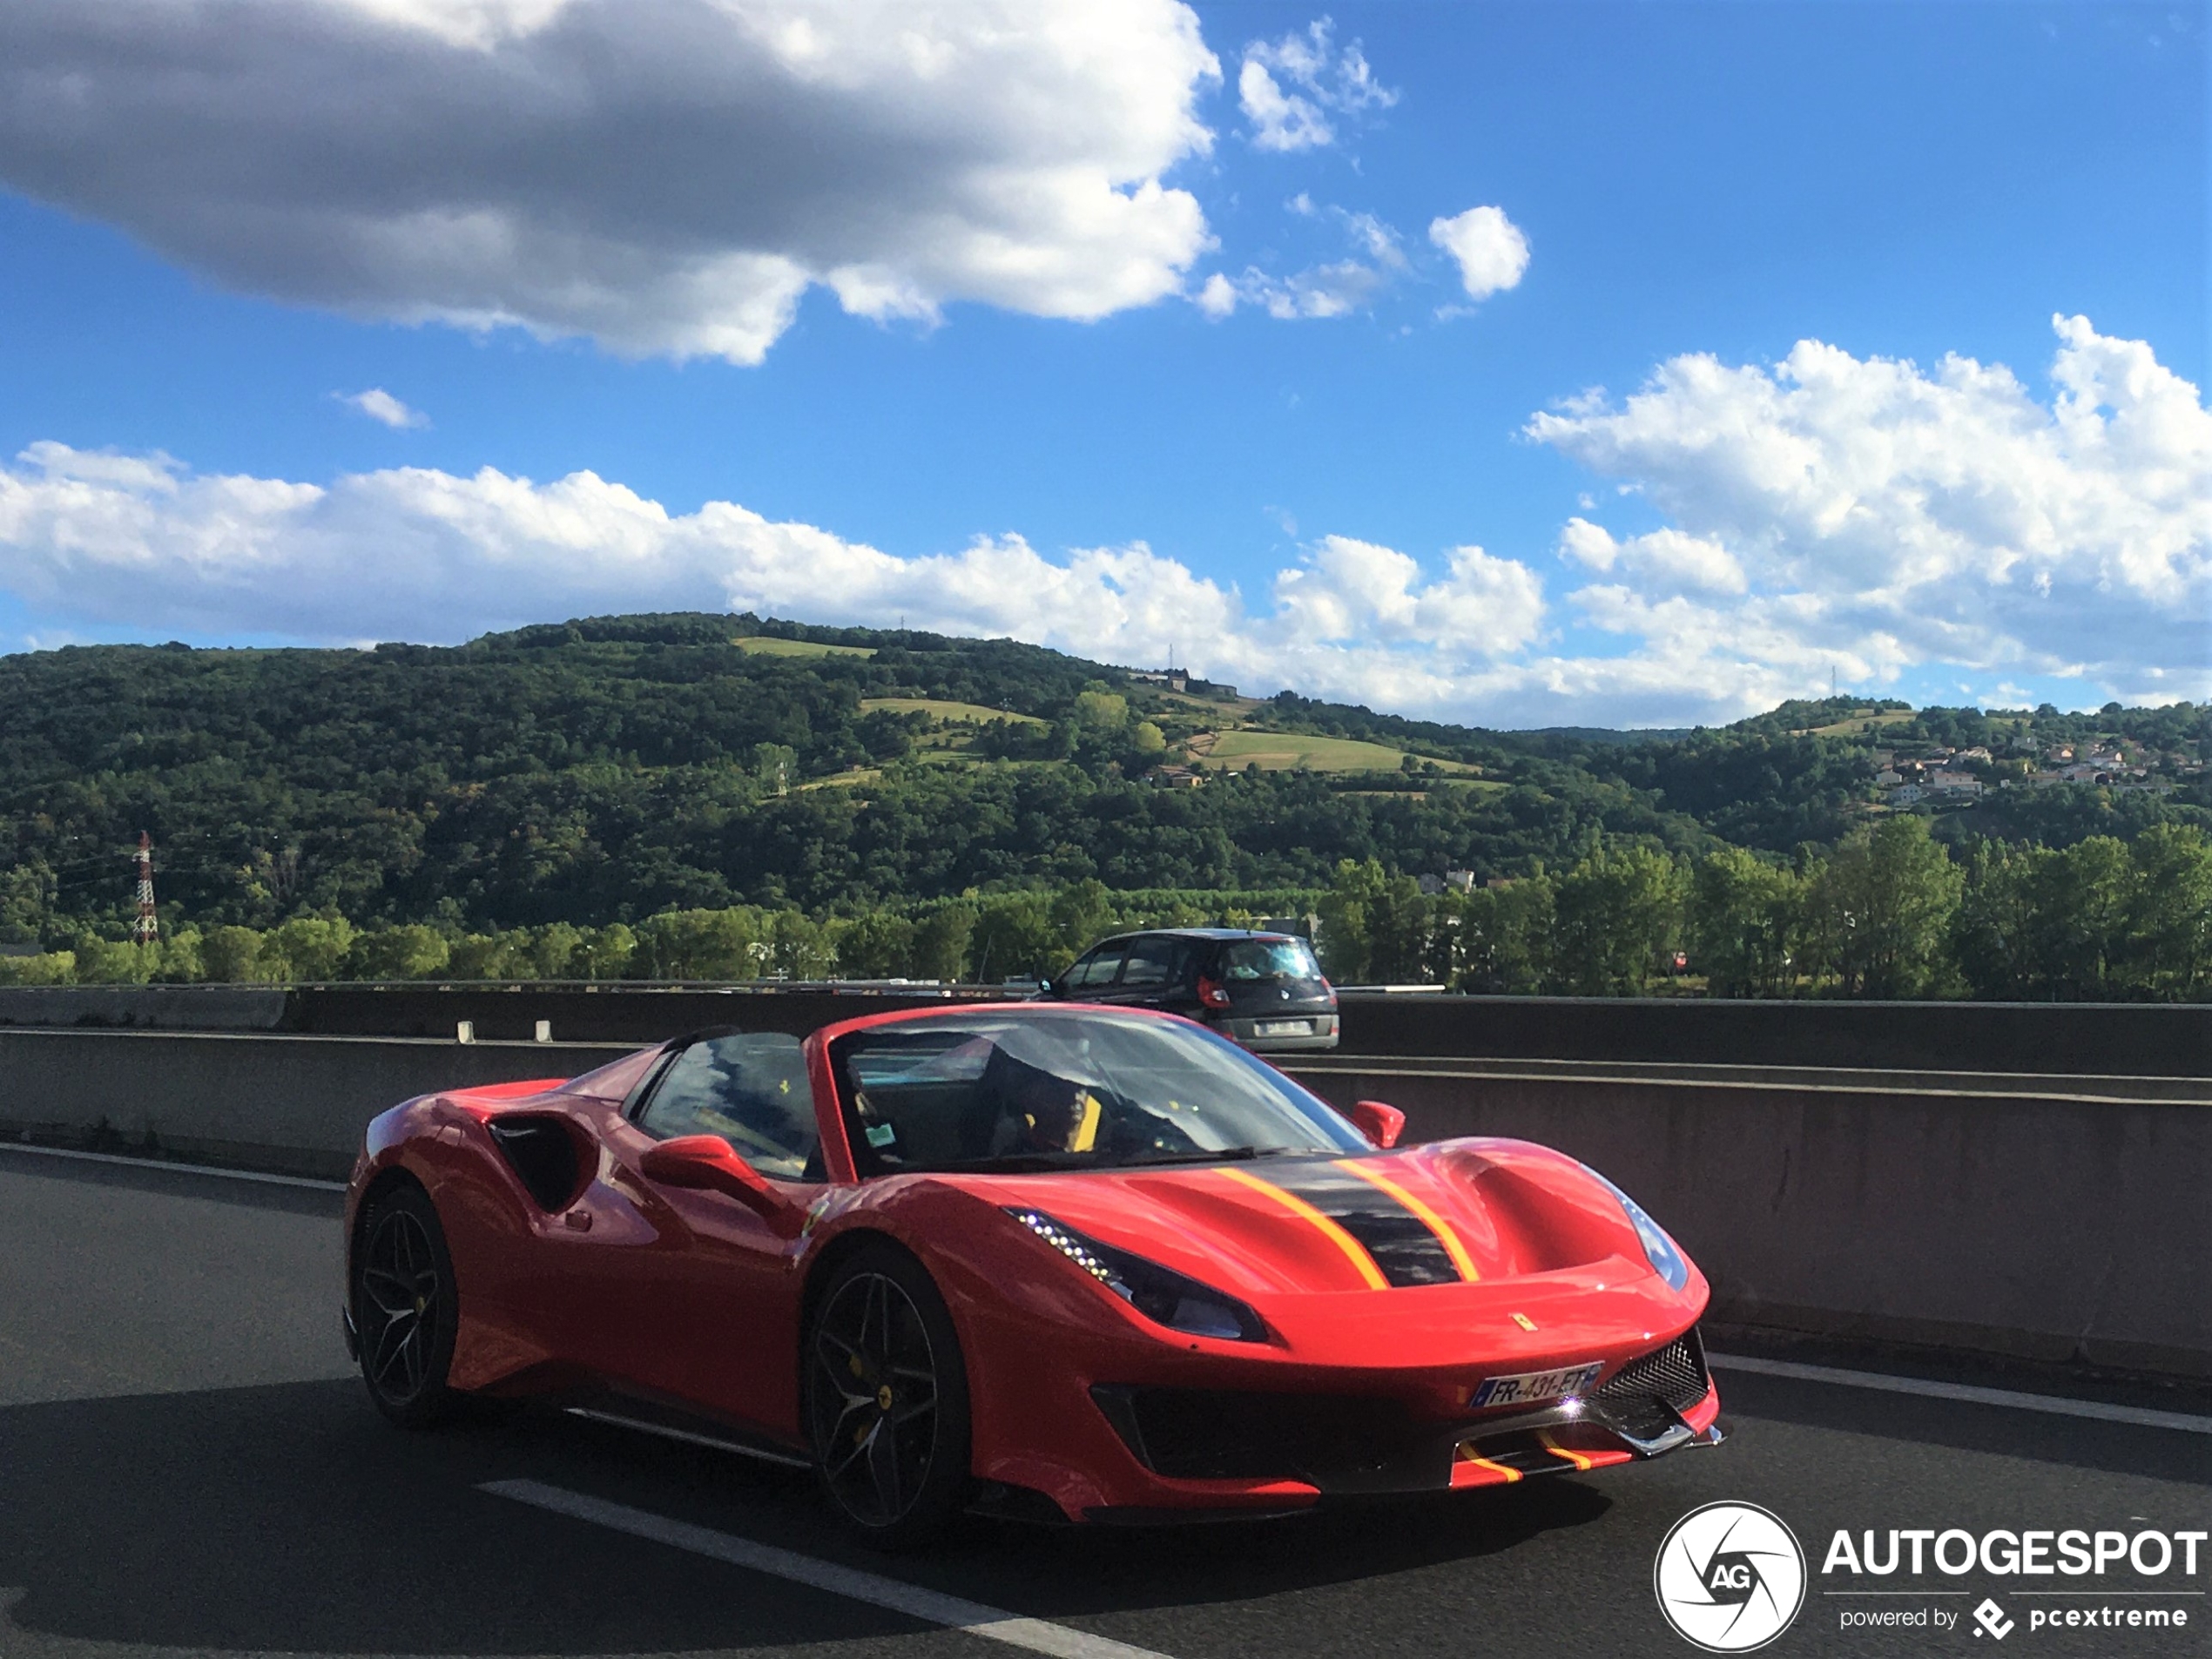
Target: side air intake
[{"x": 543, "y": 1154}]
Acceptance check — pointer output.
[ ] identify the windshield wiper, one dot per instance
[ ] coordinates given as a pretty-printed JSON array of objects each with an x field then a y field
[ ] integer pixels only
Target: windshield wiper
[{"x": 1217, "y": 1155}]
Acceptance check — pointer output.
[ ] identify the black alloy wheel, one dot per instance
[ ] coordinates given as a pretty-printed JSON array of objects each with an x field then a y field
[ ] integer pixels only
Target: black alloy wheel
[
  {"x": 886, "y": 1400},
  {"x": 404, "y": 1308}
]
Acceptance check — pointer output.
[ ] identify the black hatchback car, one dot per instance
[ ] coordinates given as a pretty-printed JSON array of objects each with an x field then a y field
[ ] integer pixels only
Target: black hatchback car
[{"x": 1263, "y": 990}]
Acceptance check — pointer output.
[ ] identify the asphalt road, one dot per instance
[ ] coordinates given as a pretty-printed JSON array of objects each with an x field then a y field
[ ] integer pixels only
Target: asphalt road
[{"x": 187, "y": 1465}]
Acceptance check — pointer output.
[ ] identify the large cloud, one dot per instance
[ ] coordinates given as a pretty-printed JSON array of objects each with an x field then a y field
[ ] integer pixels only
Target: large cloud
[
  {"x": 663, "y": 176},
  {"x": 1881, "y": 515}
]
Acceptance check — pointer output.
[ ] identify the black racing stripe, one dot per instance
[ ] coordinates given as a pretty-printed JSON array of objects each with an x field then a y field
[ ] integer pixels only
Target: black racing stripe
[{"x": 1404, "y": 1247}]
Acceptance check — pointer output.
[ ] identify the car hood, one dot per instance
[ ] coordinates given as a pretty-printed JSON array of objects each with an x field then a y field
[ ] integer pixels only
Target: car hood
[{"x": 1451, "y": 1212}]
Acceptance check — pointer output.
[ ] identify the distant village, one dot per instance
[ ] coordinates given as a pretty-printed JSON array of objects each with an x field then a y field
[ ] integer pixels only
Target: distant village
[{"x": 1936, "y": 775}]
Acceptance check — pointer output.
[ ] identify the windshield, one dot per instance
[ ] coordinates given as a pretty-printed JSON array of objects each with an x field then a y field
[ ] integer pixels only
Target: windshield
[
  {"x": 1269, "y": 958},
  {"x": 1079, "y": 1090}
]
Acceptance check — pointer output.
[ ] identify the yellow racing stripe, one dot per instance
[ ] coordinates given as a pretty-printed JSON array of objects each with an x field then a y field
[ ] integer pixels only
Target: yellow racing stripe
[
  {"x": 1429, "y": 1219},
  {"x": 1353, "y": 1251},
  {"x": 1577, "y": 1459}
]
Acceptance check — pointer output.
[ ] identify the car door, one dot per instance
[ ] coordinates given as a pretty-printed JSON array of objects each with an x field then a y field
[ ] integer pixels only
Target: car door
[
  {"x": 1092, "y": 976},
  {"x": 710, "y": 1310},
  {"x": 1150, "y": 972}
]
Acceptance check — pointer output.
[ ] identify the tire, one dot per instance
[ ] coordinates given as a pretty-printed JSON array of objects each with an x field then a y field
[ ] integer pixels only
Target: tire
[
  {"x": 893, "y": 1463},
  {"x": 405, "y": 1308}
]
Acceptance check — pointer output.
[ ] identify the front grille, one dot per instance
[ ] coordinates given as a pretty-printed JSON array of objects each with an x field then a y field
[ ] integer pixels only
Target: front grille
[
  {"x": 1647, "y": 1395},
  {"x": 1219, "y": 1434}
]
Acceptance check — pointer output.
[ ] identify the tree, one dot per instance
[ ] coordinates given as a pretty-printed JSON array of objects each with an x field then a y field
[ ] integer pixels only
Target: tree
[
  {"x": 1347, "y": 936},
  {"x": 1014, "y": 935},
  {"x": 1884, "y": 905},
  {"x": 1995, "y": 932},
  {"x": 309, "y": 947},
  {"x": 1505, "y": 938},
  {"x": 1746, "y": 923},
  {"x": 604, "y": 953},
  {"x": 700, "y": 945},
  {"x": 1616, "y": 911},
  {"x": 410, "y": 951},
  {"x": 2084, "y": 896},
  {"x": 941, "y": 942},
  {"x": 233, "y": 956},
  {"x": 877, "y": 944},
  {"x": 2169, "y": 927}
]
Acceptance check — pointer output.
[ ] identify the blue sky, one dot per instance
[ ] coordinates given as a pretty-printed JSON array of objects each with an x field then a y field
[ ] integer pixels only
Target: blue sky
[{"x": 1071, "y": 444}]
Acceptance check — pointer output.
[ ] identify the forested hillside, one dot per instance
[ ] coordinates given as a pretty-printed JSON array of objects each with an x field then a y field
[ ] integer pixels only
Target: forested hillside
[{"x": 612, "y": 770}]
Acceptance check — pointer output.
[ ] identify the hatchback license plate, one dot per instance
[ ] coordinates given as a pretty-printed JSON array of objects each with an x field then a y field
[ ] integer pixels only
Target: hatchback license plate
[
  {"x": 1282, "y": 1029},
  {"x": 1533, "y": 1386}
]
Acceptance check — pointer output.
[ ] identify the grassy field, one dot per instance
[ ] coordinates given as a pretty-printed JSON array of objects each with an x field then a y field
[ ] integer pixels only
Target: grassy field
[
  {"x": 763, "y": 645},
  {"x": 1285, "y": 751},
  {"x": 972, "y": 713},
  {"x": 1853, "y": 723}
]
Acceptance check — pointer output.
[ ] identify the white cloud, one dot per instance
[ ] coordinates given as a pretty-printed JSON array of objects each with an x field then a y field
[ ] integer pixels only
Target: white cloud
[
  {"x": 665, "y": 179},
  {"x": 1829, "y": 513},
  {"x": 1334, "y": 289},
  {"x": 379, "y": 405},
  {"x": 1900, "y": 516},
  {"x": 1665, "y": 558},
  {"x": 1337, "y": 289},
  {"x": 1489, "y": 249},
  {"x": 1287, "y": 88}
]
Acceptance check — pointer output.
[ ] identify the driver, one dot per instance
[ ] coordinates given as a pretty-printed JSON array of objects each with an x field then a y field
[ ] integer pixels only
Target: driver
[{"x": 1040, "y": 1111}]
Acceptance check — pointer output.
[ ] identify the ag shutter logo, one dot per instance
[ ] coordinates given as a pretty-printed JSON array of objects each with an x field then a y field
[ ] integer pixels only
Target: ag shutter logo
[{"x": 1730, "y": 1577}]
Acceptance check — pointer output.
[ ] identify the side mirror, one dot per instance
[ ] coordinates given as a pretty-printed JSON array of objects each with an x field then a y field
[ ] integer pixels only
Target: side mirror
[
  {"x": 1379, "y": 1123},
  {"x": 1048, "y": 990},
  {"x": 708, "y": 1162}
]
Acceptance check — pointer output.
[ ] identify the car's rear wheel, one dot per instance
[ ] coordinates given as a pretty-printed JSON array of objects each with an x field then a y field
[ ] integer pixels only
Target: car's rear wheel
[
  {"x": 404, "y": 1308},
  {"x": 887, "y": 1400}
]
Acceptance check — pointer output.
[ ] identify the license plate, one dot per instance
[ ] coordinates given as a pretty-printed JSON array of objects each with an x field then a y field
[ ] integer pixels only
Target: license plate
[
  {"x": 1282, "y": 1029},
  {"x": 1534, "y": 1386}
]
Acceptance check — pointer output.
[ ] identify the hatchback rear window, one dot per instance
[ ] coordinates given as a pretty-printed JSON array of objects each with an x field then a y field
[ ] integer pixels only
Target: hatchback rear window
[{"x": 1249, "y": 959}]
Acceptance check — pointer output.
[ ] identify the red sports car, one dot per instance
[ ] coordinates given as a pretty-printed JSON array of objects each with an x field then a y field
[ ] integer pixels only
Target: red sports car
[{"x": 1071, "y": 1263}]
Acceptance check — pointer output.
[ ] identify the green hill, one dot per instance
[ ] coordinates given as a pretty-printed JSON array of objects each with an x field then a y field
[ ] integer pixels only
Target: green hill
[{"x": 613, "y": 767}]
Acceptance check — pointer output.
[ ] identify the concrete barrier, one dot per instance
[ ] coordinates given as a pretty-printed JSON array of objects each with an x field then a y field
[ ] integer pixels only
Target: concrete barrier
[
  {"x": 2049, "y": 1217},
  {"x": 2132, "y": 1039},
  {"x": 2059, "y": 1219}
]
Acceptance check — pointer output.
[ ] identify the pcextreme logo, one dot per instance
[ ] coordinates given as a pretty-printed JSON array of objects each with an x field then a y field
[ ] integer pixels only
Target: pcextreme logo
[{"x": 1730, "y": 1577}]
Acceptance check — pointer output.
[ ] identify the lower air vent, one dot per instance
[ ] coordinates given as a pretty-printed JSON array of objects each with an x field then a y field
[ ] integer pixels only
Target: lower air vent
[
  {"x": 1212, "y": 1435},
  {"x": 1647, "y": 1396},
  {"x": 543, "y": 1154}
]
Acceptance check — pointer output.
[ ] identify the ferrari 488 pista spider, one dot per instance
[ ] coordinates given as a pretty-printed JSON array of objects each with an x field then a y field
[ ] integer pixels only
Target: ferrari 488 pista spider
[{"x": 1073, "y": 1263}]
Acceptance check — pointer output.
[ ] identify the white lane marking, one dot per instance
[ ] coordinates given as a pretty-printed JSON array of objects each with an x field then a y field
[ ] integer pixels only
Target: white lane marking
[
  {"x": 172, "y": 1166},
  {"x": 2136, "y": 1416},
  {"x": 992, "y": 1623}
]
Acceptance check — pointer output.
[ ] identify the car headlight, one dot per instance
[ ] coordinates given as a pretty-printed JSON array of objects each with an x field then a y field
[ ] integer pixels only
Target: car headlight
[
  {"x": 1161, "y": 1294},
  {"x": 1667, "y": 1260}
]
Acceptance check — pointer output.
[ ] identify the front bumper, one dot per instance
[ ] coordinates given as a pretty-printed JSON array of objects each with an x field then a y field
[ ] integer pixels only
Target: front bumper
[
  {"x": 1203, "y": 1440},
  {"x": 1367, "y": 1445}
]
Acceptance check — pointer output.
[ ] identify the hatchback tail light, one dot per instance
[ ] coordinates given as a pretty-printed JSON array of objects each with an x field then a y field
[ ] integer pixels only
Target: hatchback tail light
[{"x": 1211, "y": 995}]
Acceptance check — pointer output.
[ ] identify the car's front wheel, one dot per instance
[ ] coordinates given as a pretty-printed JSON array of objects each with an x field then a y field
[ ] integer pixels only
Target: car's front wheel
[
  {"x": 887, "y": 1400},
  {"x": 404, "y": 1307}
]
